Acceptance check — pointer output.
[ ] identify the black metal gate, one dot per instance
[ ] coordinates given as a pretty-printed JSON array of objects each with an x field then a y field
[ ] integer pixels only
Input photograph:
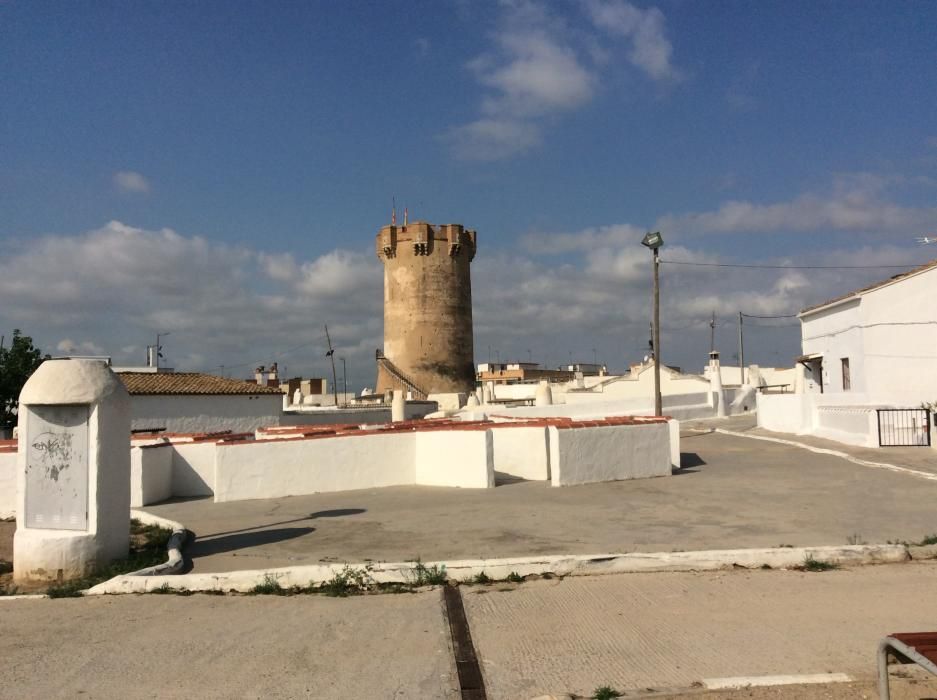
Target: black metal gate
[{"x": 903, "y": 427}]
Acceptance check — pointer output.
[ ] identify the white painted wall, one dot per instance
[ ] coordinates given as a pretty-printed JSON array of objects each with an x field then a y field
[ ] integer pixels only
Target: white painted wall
[
  {"x": 277, "y": 468},
  {"x": 785, "y": 413},
  {"x": 853, "y": 425},
  {"x": 462, "y": 458},
  {"x": 7, "y": 485},
  {"x": 193, "y": 468},
  {"x": 204, "y": 414},
  {"x": 521, "y": 451},
  {"x": 150, "y": 474},
  {"x": 609, "y": 453},
  {"x": 889, "y": 335},
  {"x": 360, "y": 415}
]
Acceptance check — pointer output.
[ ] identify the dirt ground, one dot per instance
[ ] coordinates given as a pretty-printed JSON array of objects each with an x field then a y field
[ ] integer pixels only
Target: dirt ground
[
  {"x": 901, "y": 689},
  {"x": 7, "y": 528}
]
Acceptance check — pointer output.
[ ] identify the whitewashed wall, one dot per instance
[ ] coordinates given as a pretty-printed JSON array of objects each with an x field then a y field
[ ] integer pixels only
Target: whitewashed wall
[
  {"x": 360, "y": 415},
  {"x": 193, "y": 468},
  {"x": 853, "y": 425},
  {"x": 277, "y": 468},
  {"x": 785, "y": 413},
  {"x": 609, "y": 453},
  {"x": 204, "y": 414},
  {"x": 150, "y": 474},
  {"x": 462, "y": 458},
  {"x": 7, "y": 484},
  {"x": 521, "y": 451}
]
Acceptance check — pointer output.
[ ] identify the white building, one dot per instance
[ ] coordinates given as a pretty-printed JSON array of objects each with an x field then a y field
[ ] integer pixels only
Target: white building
[
  {"x": 879, "y": 341},
  {"x": 865, "y": 354},
  {"x": 191, "y": 402}
]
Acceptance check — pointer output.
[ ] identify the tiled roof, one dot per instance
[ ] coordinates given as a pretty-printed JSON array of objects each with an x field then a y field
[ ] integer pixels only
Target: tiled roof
[
  {"x": 142, "y": 383},
  {"x": 863, "y": 290}
]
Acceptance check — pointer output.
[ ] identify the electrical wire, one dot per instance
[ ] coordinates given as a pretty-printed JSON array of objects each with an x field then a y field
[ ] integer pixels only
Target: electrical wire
[{"x": 795, "y": 267}]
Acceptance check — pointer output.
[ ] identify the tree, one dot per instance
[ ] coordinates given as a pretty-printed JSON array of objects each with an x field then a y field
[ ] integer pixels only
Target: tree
[{"x": 17, "y": 363}]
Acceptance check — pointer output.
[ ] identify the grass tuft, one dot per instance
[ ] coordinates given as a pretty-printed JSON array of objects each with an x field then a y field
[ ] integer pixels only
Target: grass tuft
[
  {"x": 348, "y": 581},
  {"x": 423, "y": 575},
  {"x": 811, "y": 564},
  {"x": 269, "y": 586},
  {"x": 605, "y": 693},
  {"x": 515, "y": 577}
]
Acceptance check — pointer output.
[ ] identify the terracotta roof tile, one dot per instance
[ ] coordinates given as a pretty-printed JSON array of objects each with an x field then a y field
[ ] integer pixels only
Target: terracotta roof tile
[
  {"x": 869, "y": 288},
  {"x": 160, "y": 383}
]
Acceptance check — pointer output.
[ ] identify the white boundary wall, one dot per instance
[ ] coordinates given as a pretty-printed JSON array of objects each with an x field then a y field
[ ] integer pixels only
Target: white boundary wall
[
  {"x": 277, "y": 468},
  {"x": 214, "y": 413},
  {"x": 522, "y": 451},
  {"x": 609, "y": 453},
  {"x": 150, "y": 474},
  {"x": 7, "y": 484},
  {"x": 455, "y": 458},
  {"x": 193, "y": 468}
]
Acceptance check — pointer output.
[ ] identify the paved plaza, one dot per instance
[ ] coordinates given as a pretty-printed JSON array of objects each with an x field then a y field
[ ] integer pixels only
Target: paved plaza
[{"x": 733, "y": 492}]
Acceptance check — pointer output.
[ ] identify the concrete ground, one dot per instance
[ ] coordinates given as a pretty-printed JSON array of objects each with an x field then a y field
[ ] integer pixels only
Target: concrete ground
[
  {"x": 734, "y": 492},
  {"x": 631, "y": 632}
]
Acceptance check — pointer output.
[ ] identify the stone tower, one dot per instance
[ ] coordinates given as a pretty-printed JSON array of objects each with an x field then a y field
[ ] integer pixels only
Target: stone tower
[{"x": 427, "y": 309}]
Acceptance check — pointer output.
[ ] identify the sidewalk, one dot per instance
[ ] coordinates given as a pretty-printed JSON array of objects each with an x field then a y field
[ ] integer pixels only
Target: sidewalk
[
  {"x": 629, "y": 632},
  {"x": 734, "y": 492}
]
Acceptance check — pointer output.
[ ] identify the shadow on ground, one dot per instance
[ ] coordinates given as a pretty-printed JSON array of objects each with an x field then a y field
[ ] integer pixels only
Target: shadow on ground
[{"x": 242, "y": 540}]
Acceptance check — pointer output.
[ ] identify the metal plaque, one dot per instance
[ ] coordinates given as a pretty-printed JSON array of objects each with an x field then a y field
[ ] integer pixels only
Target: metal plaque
[{"x": 57, "y": 467}]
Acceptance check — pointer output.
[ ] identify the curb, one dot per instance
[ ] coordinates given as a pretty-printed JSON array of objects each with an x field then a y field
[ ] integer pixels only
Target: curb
[
  {"x": 461, "y": 570},
  {"x": 836, "y": 453}
]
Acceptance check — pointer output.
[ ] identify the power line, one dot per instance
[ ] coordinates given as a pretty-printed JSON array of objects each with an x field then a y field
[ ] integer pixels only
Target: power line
[
  {"x": 795, "y": 267},
  {"x": 781, "y": 316}
]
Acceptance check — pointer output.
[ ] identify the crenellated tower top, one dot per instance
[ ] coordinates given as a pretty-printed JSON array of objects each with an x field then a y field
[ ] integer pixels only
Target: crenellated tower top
[{"x": 421, "y": 238}]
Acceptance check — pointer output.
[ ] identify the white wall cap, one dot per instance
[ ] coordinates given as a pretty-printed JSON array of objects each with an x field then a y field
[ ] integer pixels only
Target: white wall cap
[{"x": 71, "y": 381}]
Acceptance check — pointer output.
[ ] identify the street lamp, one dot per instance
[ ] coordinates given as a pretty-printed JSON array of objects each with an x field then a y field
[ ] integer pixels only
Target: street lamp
[{"x": 654, "y": 241}]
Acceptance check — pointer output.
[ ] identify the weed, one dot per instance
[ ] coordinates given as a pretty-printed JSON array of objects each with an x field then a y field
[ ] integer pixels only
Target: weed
[
  {"x": 929, "y": 539},
  {"x": 605, "y": 693},
  {"x": 855, "y": 538},
  {"x": 482, "y": 578},
  {"x": 423, "y": 575},
  {"x": 147, "y": 548},
  {"x": 515, "y": 577},
  {"x": 766, "y": 566},
  {"x": 269, "y": 586},
  {"x": 7, "y": 590},
  {"x": 347, "y": 582},
  {"x": 165, "y": 589},
  {"x": 811, "y": 564},
  {"x": 787, "y": 546}
]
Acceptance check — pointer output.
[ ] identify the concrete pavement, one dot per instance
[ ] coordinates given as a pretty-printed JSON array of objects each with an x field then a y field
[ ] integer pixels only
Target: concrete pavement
[
  {"x": 630, "y": 632},
  {"x": 733, "y": 493}
]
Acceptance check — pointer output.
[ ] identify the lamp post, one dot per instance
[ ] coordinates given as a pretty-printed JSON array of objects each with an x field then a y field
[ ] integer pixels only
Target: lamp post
[
  {"x": 654, "y": 241},
  {"x": 344, "y": 382}
]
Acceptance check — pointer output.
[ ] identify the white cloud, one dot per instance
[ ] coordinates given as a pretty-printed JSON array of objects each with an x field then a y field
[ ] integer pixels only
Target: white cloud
[
  {"x": 493, "y": 139},
  {"x": 535, "y": 70},
  {"x": 131, "y": 181},
  {"x": 855, "y": 203},
  {"x": 86, "y": 347},
  {"x": 650, "y": 51},
  {"x": 117, "y": 286}
]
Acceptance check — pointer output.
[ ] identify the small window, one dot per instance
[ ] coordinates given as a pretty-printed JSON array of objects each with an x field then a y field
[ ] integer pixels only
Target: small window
[{"x": 846, "y": 382}]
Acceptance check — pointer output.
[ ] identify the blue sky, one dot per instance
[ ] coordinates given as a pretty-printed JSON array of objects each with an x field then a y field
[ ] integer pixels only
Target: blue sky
[{"x": 219, "y": 170}]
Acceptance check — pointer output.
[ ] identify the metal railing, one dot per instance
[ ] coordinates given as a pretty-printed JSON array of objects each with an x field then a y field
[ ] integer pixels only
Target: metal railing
[
  {"x": 903, "y": 427},
  {"x": 395, "y": 372}
]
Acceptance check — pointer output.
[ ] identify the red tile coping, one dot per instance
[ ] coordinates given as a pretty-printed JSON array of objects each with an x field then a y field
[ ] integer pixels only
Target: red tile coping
[
  {"x": 8, "y": 445},
  {"x": 323, "y": 431}
]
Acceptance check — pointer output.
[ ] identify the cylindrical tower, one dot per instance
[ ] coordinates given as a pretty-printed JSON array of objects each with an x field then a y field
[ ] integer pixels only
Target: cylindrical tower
[{"x": 427, "y": 309}]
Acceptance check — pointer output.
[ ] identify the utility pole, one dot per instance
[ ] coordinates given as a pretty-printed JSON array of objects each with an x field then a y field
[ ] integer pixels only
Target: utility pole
[
  {"x": 712, "y": 333},
  {"x": 331, "y": 355},
  {"x": 654, "y": 241},
  {"x": 741, "y": 352},
  {"x": 658, "y": 401},
  {"x": 344, "y": 382}
]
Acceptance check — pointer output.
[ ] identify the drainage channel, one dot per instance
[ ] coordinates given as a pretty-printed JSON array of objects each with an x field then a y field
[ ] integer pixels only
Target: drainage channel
[{"x": 471, "y": 683}]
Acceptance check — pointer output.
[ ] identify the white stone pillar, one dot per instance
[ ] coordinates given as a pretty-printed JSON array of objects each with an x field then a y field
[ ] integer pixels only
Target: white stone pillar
[
  {"x": 73, "y": 464},
  {"x": 715, "y": 384},
  {"x": 487, "y": 394},
  {"x": 398, "y": 407},
  {"x": 544, "y": 394}
]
